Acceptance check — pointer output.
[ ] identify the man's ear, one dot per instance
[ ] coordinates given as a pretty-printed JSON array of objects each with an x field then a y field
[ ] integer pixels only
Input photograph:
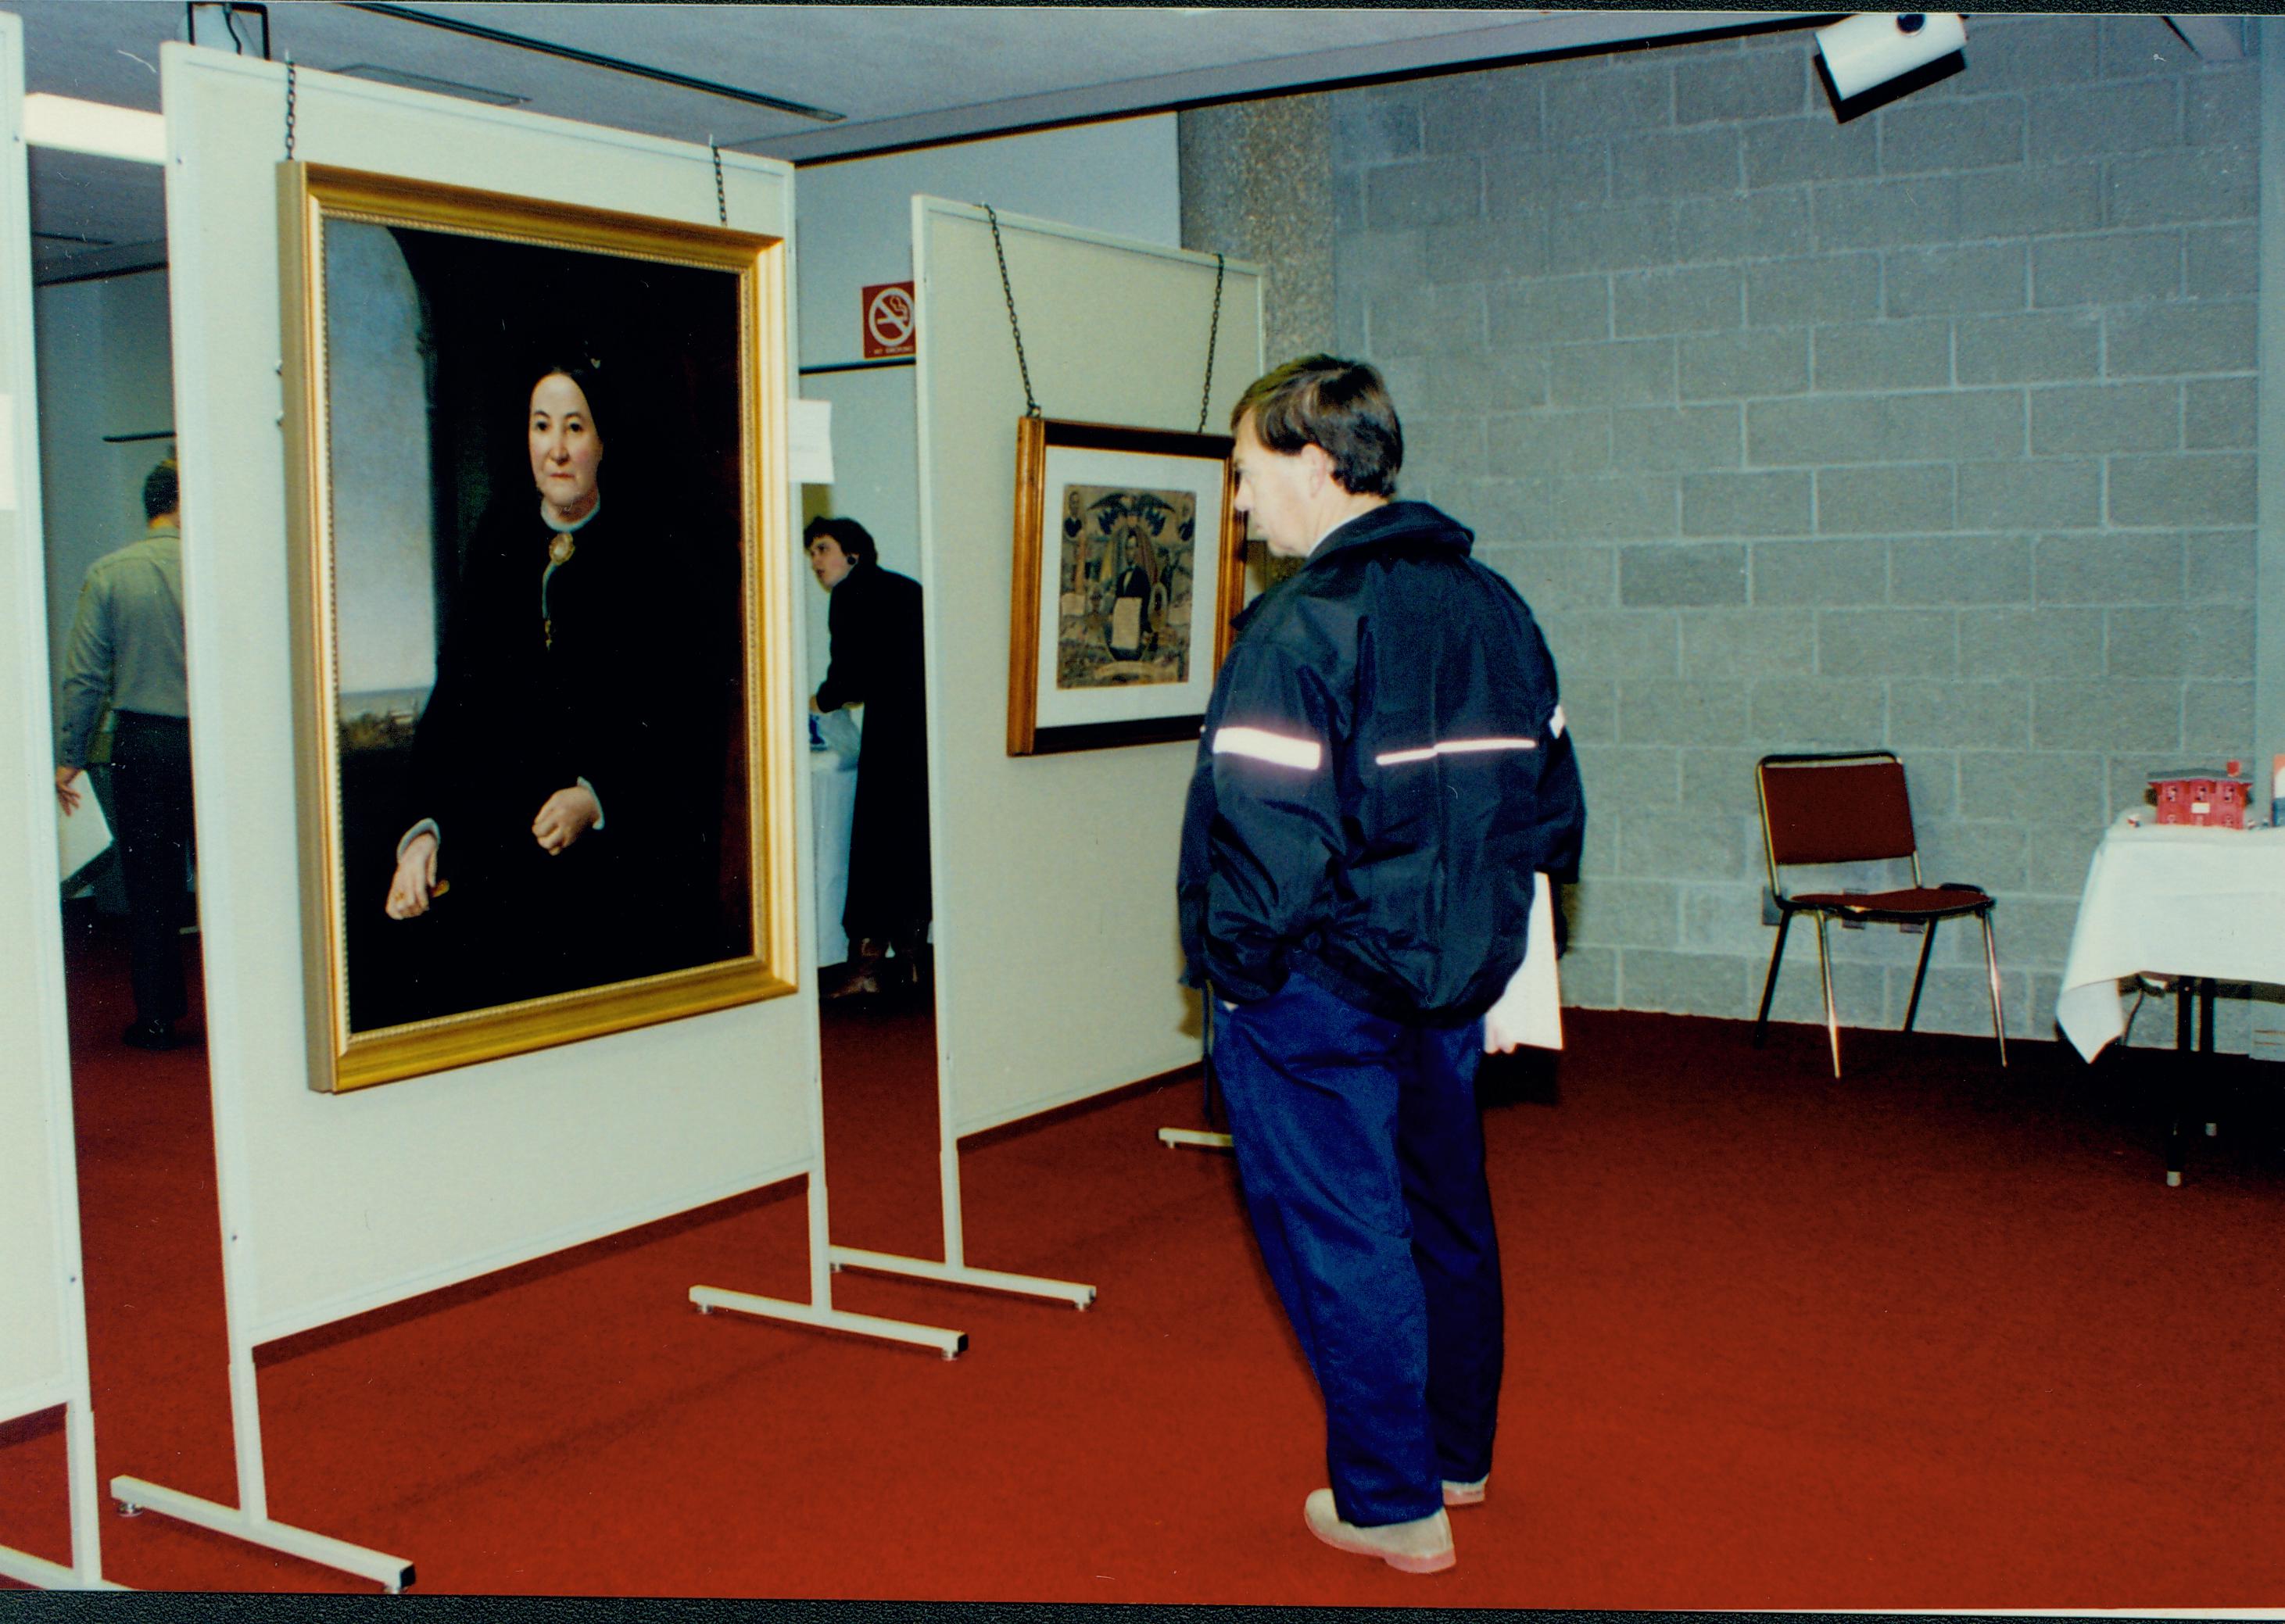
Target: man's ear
[{"x": 1320, "y": 464}]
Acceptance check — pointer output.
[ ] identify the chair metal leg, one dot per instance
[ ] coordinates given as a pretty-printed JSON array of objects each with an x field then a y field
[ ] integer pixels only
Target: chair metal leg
[
  {"x": 1992, "y": 964},
  {"x": 1831, "y": 1019},
  {"x": 1769, "y": 986},
  {"x": 1920, "y": 974}
]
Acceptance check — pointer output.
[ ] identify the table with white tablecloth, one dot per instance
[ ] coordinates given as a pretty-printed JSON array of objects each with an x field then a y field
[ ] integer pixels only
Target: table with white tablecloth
[
  {"x": 2173, "y": 900},
  {"x": 2195, "y": 905}
]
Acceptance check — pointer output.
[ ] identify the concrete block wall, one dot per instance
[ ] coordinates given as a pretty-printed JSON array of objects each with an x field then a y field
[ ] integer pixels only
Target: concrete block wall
[{"x": 1933, "y": 431}]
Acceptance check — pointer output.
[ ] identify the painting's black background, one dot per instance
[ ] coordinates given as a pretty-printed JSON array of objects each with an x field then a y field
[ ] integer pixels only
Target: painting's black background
[{"x": 666, "y": 339}]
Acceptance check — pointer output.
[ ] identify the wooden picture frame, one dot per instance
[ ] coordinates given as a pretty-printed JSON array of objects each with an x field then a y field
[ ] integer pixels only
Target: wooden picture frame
[
  {"x": 446, "y": 672},
  {"x": 1129, "y": 570}
]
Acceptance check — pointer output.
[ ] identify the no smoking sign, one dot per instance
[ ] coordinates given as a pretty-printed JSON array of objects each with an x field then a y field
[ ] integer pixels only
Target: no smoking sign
[{"x": 890, "y": 320}]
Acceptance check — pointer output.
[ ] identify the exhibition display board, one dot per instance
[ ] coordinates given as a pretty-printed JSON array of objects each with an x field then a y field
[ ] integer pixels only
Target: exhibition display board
[
  {"x": 352, "y": 1201},
  {"x": 43, "y": 1322},
  {"x": 334, "y": 1204},
  {"x": 1057, "y": 957}
]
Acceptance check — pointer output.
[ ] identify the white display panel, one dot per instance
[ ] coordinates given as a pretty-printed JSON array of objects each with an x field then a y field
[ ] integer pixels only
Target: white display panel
[
  {"x": 43, "y": 1304},
  {"x": 335, "y": 1204},
  {"x": 34, "y": 1080},
  {"x": 1057, "y": 959},
  {"x": 39, "y": 1216}
]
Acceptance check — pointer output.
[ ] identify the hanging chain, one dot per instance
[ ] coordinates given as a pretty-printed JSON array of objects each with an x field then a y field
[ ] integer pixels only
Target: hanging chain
[
  {"x": 1030, "y": 406},
  {"x": 1214, "y": 333},
  {"x": 289, "y": 109},
  {"x": 721, "y": 201}
]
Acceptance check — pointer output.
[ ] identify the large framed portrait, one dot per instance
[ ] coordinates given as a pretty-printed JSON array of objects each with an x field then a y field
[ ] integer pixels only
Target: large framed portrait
[
  {"x": 538, "y": 534},
  {"x": 1130, "y": 567}
]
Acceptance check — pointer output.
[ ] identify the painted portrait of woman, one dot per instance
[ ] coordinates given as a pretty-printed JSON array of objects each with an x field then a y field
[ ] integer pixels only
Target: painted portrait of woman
[
  {"x": 552, "y": 842},
  {"x": 560, "y": 804}
]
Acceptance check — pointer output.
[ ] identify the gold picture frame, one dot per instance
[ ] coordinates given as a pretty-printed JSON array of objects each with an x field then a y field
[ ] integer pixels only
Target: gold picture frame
[
  {"x": 406, "y": 302},
  {"x": 1119, "y": 617}
]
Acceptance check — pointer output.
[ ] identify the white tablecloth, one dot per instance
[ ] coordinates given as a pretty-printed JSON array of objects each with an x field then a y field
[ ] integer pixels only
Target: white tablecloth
[
  {"x": 832, "y": 803},
  {"x": 2176, "y": 901}
]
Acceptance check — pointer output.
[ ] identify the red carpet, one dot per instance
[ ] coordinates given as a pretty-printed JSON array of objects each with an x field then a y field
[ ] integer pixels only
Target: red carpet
[{"x": 1933, "y": 1336}]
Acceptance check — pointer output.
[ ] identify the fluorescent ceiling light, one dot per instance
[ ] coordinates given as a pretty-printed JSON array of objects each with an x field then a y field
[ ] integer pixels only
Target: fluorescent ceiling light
[
  {"x": 422, "y": 82},
  {"x": 572, "y": 53},
  {"x": 94, "y": 128}
]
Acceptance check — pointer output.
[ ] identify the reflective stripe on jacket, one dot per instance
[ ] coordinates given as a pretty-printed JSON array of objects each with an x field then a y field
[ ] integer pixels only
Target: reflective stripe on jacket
[{"x": 1384, "y": 767}]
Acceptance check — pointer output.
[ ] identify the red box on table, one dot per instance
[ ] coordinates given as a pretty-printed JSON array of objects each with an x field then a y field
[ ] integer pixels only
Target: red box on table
[{"x": 2201, "y": 797}]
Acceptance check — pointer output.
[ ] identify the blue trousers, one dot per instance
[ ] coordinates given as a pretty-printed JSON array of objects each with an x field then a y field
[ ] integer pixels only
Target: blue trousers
[{"x": 1362, "y": 1156}]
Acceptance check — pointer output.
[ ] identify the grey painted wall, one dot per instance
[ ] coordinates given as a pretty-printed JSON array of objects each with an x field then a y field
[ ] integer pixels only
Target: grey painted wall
[
  {"x": 105, "y": 368},
  {"x": 1933, "y": 431}
]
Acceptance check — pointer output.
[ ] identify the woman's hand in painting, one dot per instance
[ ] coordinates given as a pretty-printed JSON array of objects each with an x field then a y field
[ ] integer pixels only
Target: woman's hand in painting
[
  {"x": 416, "y": 878},
  {"x": 568, "y": 815}
]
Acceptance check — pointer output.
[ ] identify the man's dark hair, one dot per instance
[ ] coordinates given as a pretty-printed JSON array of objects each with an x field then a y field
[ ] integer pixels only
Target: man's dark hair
[
  {"x": 1341, "y": 406},
  {"x": 854, "y": 540},
  {"x": 161, "y": 492}
]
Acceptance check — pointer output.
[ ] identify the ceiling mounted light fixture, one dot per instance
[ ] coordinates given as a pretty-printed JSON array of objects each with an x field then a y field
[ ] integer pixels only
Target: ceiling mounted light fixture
[{"x": 1874, "y": 58}]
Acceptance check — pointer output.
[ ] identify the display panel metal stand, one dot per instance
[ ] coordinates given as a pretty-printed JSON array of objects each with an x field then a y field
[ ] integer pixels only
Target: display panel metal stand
[
  {"x": 819, "y": 1312},
  {"x": 1206, "y": 1138}
]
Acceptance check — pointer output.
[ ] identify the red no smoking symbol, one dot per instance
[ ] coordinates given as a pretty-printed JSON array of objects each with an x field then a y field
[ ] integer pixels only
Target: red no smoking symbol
[{"x": 888, "y": 320}]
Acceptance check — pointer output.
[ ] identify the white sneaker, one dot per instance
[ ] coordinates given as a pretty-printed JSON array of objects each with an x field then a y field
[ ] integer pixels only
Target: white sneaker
[{"x": 1421, "y": 1546}]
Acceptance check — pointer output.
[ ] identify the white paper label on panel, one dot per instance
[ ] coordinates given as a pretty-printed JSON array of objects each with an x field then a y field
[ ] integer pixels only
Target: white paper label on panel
[
  {"x": 809, "y": 441},
  {"x": 7, "y": 453}
]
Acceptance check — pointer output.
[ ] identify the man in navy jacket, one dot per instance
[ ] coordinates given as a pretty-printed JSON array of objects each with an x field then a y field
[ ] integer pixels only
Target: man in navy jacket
[{"x": 1385, "y": 767}]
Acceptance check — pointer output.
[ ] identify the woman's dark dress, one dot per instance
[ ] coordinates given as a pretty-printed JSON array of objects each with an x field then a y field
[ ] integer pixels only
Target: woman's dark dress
[
  {"x": 875, "y": 616},
  {"x": 629, "y": 695}
]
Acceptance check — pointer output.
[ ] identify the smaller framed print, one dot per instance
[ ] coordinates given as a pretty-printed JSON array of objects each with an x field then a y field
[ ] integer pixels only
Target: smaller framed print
[{"x": 1130, "y": 567}]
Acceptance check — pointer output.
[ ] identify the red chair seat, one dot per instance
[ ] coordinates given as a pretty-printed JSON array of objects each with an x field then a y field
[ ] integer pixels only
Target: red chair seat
[{"x": 1938, "y": 901}]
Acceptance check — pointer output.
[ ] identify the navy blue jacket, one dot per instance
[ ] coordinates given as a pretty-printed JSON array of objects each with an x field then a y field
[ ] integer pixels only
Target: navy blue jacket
[{"x": 1384, "y": 766}]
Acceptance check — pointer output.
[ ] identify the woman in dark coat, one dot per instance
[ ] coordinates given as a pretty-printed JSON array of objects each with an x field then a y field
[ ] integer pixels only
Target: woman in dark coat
[
  {"x": 875, "y": 623},
  {"x": 557, "y": 835}
]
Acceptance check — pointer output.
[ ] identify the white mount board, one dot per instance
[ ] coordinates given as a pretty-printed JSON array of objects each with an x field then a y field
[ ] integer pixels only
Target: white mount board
[
  {"x": 336, "y": 1204},
  {"x": 38, "y": 1205},
  {"x": 42, "y": 1361},
  {"x": 1057, "y": 958}
]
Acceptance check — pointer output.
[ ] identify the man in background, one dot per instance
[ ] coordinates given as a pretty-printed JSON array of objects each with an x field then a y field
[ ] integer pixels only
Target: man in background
[
  {"x": 126, "y": 651},
  {"x": 1384, "y": 770}
]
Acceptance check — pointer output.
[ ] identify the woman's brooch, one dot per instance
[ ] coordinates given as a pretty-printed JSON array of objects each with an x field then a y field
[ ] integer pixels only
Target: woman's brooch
[{"x": 561, "y": 546}]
